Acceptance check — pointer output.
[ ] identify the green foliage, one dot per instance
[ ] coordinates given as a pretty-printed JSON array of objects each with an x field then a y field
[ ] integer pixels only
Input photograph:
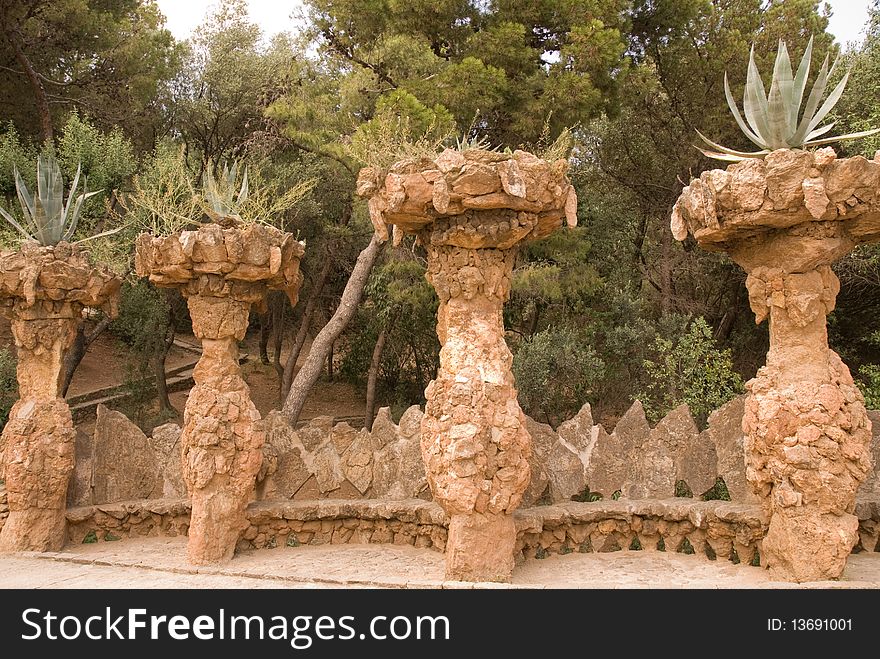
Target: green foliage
[
  {"x": 691, "y": 370},
  {"x": 870, "y": 385},
  {"x": 718, "y": 492},
  {"x": 47, "y": 219},
  {"x": 112, "y": 58},
  {"x": 90, "y": 538},
  {"x": 107, "y": 159},
  {"x": 555, "y": 371},
  {"x": 773, "y": 118},
  {"x": 8, "y": 385},
  {"x": 400, "y": 301},
  {"x": 585, "y": 496},
  {"x": 682, "y": 489},
  {"x": 164, "y": 199},
  {"x": 144, "y": 315},
  {"x": 14, "y": 155},
  {"x": 402, "y": 127}
]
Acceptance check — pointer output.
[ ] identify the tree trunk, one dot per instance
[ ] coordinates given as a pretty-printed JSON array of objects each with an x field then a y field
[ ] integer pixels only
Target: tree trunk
[
  {"x": 41, "y": 100},
  {"x": 265, "y": 327},
  {"x": 77, "y": 351},
  {"x": 159, "y": 371},
  {"x": 305, "y": 322},
  {"x": 330, "y": 363},
  {"x": 372, "y": 377},
  {"x": 666, "y": 305},
  {"x": 321, "y": 346},
  {"x": 278, "y": 335}
]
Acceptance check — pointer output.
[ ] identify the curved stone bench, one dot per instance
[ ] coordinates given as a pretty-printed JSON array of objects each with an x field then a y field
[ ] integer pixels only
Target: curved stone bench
[{"x": 718, "y": 529}]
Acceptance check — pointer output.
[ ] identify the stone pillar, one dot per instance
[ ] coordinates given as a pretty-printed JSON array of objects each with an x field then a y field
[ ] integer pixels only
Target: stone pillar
[
  {"x": 38, "y": 439},
  {"x": 221, "y": 439},
  {"x": 474, "y": 441},
  {"x": 807, "y": 431}
]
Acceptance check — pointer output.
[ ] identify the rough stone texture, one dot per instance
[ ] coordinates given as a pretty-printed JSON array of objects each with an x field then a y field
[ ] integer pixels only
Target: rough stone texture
[
  {"x": 471, "y": 210},
  {"x": 808, "y": 434},
  {"x": 43, "y": 291},
  {"x": 125, "y": 466},
  {"x": 872, "y": 482},
  {"x": 165, "y": 443},
  {"x": 726, "y": 434},
  {"x": 221, "y": 272},
  {"x": 343, "y": 462}
]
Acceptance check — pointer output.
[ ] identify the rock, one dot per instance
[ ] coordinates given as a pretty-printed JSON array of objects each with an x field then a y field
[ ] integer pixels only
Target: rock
[
  {"x": 542, "y": 444},
  {"x": 165, "y": 441},
  {"x": 291, "y": 472},
  {"x": 398, "y": 469},
  {"x": 562, "y": 469},
  {"x": 357, "y": 462},
  {"x": 80, "y": 491},
  {"x": 872, "y": 483},
  {"x": 785, "y": 173},
  {"x": 693, "y": 454},
  {"x": 610, "y": 466},
  {"x": 725, "y": 432},
  {"x": 126, "y": 466}
]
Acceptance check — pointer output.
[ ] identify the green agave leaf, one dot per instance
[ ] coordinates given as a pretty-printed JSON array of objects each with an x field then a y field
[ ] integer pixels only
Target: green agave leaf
[
  {"x": 243, "y": 193},
  {"x": 848, "y": 136},
  {"x": 732, "y": 152},
  {"x": 800, "y": 82},
  {"x": 813, "y": 101},
  {"x": 25, "y": 198},
  {"x": 720, "y": 156},
  {"x": 777, "y": 117},
  {"x": 783, "y": 79},
  {"x": 755, "y": 101},
  {"x": 743, "y": 126},
  {"x": 11, "y": 220},
  {"x": 820, "y": 131},
  {"x": 829, "y": 103},
  {"x": 100, "y": 235}
]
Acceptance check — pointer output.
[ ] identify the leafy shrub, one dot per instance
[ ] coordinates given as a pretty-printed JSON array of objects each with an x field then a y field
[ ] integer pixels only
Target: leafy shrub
[
  {"x": 555, "y": 370},
  {"x": 8, "y": 385},
  {"x": 691, "y": 370},
  {"x": 870, "y": 385}
]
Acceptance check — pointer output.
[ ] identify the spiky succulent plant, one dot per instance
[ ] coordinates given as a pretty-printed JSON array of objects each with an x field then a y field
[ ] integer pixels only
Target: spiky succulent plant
[
  {"x": 47, "y": 218},
  {"x": 222, "y": 199},
  {"x": 774, "y": 120}
]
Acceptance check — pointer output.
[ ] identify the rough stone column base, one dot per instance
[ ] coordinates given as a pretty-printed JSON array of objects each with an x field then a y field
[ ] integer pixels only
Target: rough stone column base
[
  {"x": 38, "y": 442},
  {"x": 803, "y": 544},
  {"x": 480, "y": 547},
  {"x": 214, "y": 532},
  {"x": 34, "y": 529}
]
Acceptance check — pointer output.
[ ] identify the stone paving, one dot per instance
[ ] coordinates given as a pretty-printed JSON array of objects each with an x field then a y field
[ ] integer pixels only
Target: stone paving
[{"x": 161, "y": 563}]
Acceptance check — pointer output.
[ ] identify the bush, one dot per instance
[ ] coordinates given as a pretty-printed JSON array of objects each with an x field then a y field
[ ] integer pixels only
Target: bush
[
  {"x": 555, "y": 371},
  {"x": 8, "y": 385},
  {"x": 870, "y": 385},
  {"x": 691, "y": 370}
]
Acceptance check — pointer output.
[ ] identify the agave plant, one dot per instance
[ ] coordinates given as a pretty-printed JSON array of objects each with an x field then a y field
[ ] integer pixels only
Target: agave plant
[
  {"x": 222, "y": 199},
  {"x": 47, "y": 218},
  {"x": 775, "y": 120}
]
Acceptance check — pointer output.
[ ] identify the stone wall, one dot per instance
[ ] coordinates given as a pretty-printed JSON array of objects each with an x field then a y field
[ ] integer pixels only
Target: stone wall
[
  {"x": 323, "y": 460},
  {"x": 718, "y": 529}
]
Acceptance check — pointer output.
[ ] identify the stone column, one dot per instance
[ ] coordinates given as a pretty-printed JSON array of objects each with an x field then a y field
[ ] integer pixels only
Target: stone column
[
  {"x": 785, "y": 219},
  {"x": 38, "y": 439},
  {"x": 221, "y": 439},
  {"x": 474, "y": 441},
  {"x": 807, "y": 430}
]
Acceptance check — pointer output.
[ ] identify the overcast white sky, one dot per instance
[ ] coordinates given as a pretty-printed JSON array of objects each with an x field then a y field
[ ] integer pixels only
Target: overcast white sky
[{"x": 274, "y": 16}]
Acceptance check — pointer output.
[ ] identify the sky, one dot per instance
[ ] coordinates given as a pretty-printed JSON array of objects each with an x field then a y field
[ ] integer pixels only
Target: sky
[{"x": 273, "y": 16}]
